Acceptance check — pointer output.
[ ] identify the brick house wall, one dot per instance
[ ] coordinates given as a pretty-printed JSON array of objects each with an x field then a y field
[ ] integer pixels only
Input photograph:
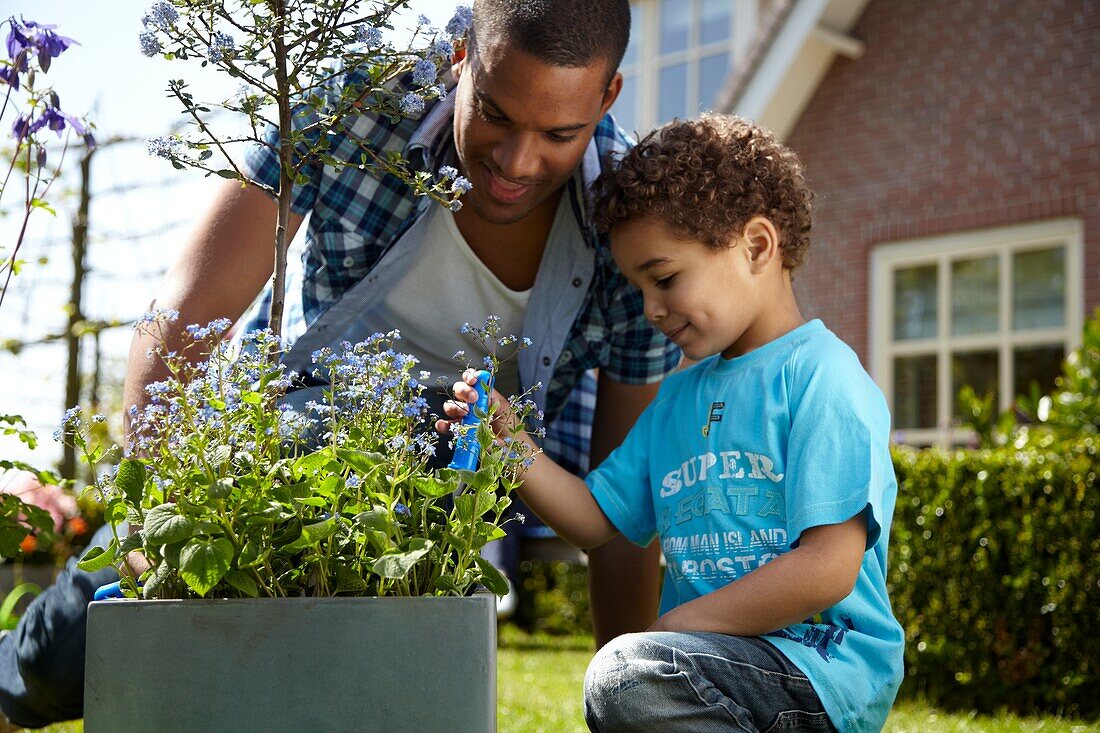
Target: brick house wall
[{"x": 960, "y": 115}]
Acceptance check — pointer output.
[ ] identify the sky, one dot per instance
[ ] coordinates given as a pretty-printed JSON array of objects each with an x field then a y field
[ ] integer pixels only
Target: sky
[{"x": 140, "y": 215}]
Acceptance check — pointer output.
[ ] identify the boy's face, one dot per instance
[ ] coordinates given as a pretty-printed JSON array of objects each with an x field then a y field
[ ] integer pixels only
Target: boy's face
[
  {"x": 522, "y": 126},
  {"x": 706, "y": 300}
]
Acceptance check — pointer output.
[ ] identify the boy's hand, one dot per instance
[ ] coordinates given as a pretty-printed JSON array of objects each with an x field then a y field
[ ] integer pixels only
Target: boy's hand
[{"x": 504, "y": 419}]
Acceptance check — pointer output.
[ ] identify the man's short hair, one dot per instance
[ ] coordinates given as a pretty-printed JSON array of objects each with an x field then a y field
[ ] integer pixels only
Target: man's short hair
[
  {"x": 569, "y": 33},
  {"x": 706, "y": 177}
]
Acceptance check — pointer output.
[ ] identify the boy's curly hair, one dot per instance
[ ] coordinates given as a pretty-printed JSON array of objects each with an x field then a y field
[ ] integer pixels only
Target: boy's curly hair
[{"x": 707, "y": 177}]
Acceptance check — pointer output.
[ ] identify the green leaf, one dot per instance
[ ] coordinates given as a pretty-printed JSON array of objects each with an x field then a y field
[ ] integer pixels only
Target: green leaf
[
  {"x": 312, "y": 463},
  {"x": 349, "y": 581},
  {"x": 172, "y": 553},
  {"x": 40, "y": 204},
  {"x": 243, "y": 582},
  {"x": 491, "y": 578},
  {"x": 376, "y": 518},
  {"x": 164, "y": 525},
  {"x": 328, "y": 487},
  {"x": 204, "y": 562},
  {"x": 252, "y": 398},
  {"x": 130, "y": 480},
  {"x": 286, "y": 492},
  {"x": 218, "y": 455},
  {"x": 97, "y": 558},
  {"x": 397, "y": 565},
  {"x": 251, "y": 555},
  {"x": 226, "y": 173},
  {"x": 361, "y": 461},
  {"x": 446, "y": 584},
  {"x": 432, "y": 488},
  {"x": 319, "y": 531},
  {"x": 472, "y": 506},
  {"x": 221, "y": 489},
  {"x": 115, "y": 511},
  {"x": 134, "y": 542},
  {"x": 155, "y": 580}
]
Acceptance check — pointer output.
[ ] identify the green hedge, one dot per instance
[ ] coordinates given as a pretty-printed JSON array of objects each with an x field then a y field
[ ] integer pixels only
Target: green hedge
[{"x": 995, "y": 575}]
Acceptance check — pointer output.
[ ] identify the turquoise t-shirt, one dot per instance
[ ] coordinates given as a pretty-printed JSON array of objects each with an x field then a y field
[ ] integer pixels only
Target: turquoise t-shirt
[{"x": 734, "y": 460}]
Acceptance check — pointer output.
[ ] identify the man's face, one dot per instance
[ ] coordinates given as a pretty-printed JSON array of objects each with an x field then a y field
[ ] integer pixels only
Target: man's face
[{"x": 522, "y": 126}]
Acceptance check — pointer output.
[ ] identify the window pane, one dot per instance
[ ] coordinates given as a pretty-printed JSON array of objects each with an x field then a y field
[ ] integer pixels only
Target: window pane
[
  {"x": 978, "y": 369},
  {"x": 675, "y": 19},
  {"x": 1039, "y": 364},
  {"x": 712, "y": 75},
  {"x": 974, "y": 296},
  {"x": 637, "y": 33},
  {"x": 1038, "y": 289},
  {"x": 714, "y": 23},
  {"x": 672, "y": 93},
  {"x": 915, "y": 392},
  {"x": 625, "y": 106},
  {"x": 915, "y": 302}
]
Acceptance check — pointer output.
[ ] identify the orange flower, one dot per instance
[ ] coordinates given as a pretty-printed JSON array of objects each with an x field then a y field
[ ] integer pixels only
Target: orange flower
[
  {"x": 29, "y": 544},
  {"x": 78, "y": 525}
]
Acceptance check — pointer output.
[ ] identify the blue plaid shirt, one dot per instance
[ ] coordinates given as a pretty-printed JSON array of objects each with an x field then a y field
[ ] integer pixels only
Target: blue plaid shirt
[{"x": 355, "y": 218}]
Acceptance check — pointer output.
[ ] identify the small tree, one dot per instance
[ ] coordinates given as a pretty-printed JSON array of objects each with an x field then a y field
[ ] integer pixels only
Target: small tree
[{"x": 290, "y": 56}]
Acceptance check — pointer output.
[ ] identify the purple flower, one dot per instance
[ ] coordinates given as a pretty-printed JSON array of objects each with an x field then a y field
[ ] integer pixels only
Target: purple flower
[
  {"x": 49, "y": 44},
  {"x": 162, "y": 147},
  {"x": 10, "y": 75},
  {"x": 18, "y": 42},
  {"x": 447, "y": 172},
  {"x": 460, "y": 22},
  {"x": 56, "y": 120},
  {"x": 21, "y": 128},
  {"x": 221, "y": 45},
  {"x": 150, "y": 44},
  {"x": 462, "y": 185},
  {"x": 39, "y": 37},
  {"x": 162, "y": 15},
  {"x": 367, "y": 34},
  {"x": 425, "y": 72},
  {"x": 443, "y": 47},
  {"x": 411, "y": 104}
]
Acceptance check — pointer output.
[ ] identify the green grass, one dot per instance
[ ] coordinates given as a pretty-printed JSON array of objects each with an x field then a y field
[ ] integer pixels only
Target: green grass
[{"x": 540, "y": 678}]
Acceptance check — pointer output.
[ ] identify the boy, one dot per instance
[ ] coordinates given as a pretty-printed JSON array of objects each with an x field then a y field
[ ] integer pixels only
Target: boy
[{"x": 764, "y": 469}]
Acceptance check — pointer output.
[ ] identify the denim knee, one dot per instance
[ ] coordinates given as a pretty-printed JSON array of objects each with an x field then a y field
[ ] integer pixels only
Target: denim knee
[{"x": 621, "y": 690}]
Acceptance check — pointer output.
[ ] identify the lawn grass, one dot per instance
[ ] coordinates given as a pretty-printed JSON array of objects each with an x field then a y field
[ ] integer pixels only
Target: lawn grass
[{"x": 540, "y": 678}]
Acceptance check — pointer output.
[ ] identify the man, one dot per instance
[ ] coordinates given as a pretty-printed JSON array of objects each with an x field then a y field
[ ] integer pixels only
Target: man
[{"x": 527, "y": 124}]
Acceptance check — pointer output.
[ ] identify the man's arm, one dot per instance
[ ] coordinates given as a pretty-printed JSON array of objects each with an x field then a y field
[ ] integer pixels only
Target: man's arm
[
  {"x": 623, "y": 579},
  {"x": 814, "y": 576},
  {"x": 228, "y": 257}
]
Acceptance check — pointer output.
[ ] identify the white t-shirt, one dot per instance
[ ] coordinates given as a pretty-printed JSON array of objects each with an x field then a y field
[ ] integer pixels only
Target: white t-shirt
[{"x": 446, "y": 287}]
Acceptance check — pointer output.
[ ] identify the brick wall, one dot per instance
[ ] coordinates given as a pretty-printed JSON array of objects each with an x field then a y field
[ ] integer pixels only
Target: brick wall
[{"x": 961, "y": 114}]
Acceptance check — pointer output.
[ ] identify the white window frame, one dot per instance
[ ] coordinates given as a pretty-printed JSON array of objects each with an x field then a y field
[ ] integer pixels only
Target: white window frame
[
  {"x": 648, "y": 63},
  {"x": 942, "y": 251}
]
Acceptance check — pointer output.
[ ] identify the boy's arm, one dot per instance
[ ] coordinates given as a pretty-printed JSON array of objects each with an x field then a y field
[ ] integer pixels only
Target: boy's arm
[
  {"x": 563, "y": 502},
  {"x": 624, "y": 580},
  {"x": 814, "y": 576},
  {"x": 559, "y": 498}
]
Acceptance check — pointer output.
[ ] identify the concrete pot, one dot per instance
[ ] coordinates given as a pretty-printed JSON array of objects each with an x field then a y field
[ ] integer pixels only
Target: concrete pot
[{"x": 292, "y": 664}]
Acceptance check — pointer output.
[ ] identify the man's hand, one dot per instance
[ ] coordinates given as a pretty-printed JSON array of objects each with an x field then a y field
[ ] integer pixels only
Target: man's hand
[{"x": 505, "y": 422}]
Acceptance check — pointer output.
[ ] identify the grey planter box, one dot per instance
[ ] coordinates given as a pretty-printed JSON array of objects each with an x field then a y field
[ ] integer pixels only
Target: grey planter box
[{"x": 292, "y": 664}]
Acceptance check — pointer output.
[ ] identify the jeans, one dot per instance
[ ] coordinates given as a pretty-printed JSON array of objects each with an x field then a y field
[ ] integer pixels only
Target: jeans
[
  {"x": 42, "y": 661},
  {"x": 698, "y": 682}
]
